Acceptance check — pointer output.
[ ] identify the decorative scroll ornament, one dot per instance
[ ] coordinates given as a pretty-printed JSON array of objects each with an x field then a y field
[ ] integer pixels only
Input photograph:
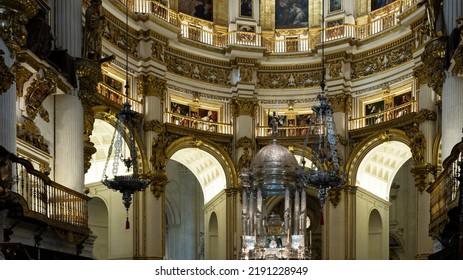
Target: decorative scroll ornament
[{"x": 36, "y": 94}]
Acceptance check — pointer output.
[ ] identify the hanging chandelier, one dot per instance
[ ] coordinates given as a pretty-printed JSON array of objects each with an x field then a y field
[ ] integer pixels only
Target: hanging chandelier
[
  {"x": 274, "y": 171},
  {"x": 132, "y": 181}
]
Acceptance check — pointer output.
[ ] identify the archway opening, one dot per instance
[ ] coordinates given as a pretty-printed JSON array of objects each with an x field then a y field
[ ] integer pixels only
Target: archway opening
[
  {"x": 375, "y": 236},
  {"x": 99, "y": 225}
]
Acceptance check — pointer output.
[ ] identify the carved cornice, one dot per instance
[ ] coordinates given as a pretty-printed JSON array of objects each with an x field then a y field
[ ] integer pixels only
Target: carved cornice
[
  {"x": 13, "y": 18},
  {"x": 6, "y": 76},
  {"x": 243, "y": 106},
  {"x": 288, "y": 79}
]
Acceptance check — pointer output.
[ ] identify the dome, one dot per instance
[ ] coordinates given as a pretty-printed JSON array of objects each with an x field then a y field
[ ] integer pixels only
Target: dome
[{"x": 274, "y": 168}]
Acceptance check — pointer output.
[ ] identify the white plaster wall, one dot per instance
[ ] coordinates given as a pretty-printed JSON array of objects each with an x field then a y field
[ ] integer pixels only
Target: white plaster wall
[
  {"x": 365, "y": 203},
  {"x": 217, "y": 205}
]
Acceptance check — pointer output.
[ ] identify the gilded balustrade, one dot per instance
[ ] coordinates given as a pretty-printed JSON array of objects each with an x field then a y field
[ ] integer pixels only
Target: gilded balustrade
[
  {"x": 198, "y": 124},
  {"x": 204, "y": 32},
  {"x": 47, "y": 200}
]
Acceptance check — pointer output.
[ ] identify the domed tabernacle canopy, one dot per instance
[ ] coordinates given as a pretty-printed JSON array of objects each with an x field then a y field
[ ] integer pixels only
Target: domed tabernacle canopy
[{"x": 274, "y": 168}]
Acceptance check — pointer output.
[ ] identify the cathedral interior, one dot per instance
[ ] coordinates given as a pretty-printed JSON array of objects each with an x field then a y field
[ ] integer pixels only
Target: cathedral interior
[{"x": 207, "y": 110}]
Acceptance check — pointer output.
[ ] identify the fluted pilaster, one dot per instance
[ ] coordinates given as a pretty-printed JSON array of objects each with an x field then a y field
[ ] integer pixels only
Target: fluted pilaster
[
  {"x": 8, "y": 109},
  {"x": 68, "y": 26},
  {"x": 452, "y": 115},
  {"x": 452, "y": 10}
]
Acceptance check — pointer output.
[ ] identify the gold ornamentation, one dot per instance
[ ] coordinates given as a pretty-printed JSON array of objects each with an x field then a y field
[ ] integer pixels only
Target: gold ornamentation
[
  {"x": 89, "y": 150},
  {"x": 198, "y": 143},
  {"x": 418, "y": 147},
  {"x": 288, "y": 80},
  {"x": 341, "y": 140},
  {"x": 22, "y": 76},
  {"x": 341, "y": 102},
  {"x": 13, "y": 19},
  {"x": 114, "y": 32},
  {"x": 154, "y": 86},
  {"x": 93, "y": 31},
  {"x": 158, "y": 157},
  {"x": 157, "y": 51},
  {"x": 246, "y": 73},
  {"x": 382, "y": 62},
  {"x": 433, "y": 54},
  {"x": 6, "y": 77},
  {"x": 335, "y": 69},
  {"x": 158, "y": 182},
  {"x": 334, "y": 195},
  {"x": 29, "y": 132},
  {"x": 36, "y": 94},
  {"x": 244, "y": 161},
  {"x": 153, "y": 125},
  {"x": 420, "y": 173},
  {"x": 198, "y": 71},
  {"x": 244, "y": 142},
  {"x": 244, "y": 106},
  {"x": 427, "y": 115}
]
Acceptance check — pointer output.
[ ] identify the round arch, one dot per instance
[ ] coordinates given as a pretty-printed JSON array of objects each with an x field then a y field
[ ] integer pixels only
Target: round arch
[
  {"x": 217, "y": 155},
  {"x": 389, "y": 149}
]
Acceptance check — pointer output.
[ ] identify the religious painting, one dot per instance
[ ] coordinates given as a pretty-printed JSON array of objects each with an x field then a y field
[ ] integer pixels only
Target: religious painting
[
  {"x": 207, "y": 116},
  {"x": 246, "y": 8},
  {"x": 179, "y": 110},
  {"x": 197, "y": 8},
  {"x": 402, "y": 99},
  {"x": 377, "y": 4},
  {"x": 113, "y": 83},
  {"x": 374, "y": 109},
  {"x": 303, "y": 120},
  {"x": 281, "y": 120},
  {"x": 335, "y": 5},
  {"x": 291, "y": 14}
]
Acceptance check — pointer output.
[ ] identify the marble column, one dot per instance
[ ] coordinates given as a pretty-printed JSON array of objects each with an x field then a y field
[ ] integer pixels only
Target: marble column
[
  {"x": 8, "y": 107},
  {"x": 149, "y": 206},
  {"x": 67, "y": 26},
  {"x": 69, "y": 142},
  {"x": 452, "y": 115}
]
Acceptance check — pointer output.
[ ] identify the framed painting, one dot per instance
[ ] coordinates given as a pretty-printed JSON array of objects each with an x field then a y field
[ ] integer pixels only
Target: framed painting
[
  {"x": 335, "y": 5},
  {"x": 377, "y": 4},
  {"x": 114, "y": 84},
  {"x": 246, "y": 8},
  {"x": 374, "y": 109},
  {"x": 402, "y": 99},
  {"x": 291, "y": 14},
  {"x": 197, "y": 8}
]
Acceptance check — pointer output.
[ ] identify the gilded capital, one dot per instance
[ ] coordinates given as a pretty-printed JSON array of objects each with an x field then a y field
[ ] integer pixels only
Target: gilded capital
[
  {"x": 244, "y": 106},
  {"x": 13, "y": 19},
  {"x": 341, "y": 102},
  {"x": 151, "y": 85},
  {"x": 6, "y": 76}
]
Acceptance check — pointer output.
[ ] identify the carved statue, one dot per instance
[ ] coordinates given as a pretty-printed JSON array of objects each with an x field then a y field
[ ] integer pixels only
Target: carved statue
[
  {"x": 418, "y": 146},
  {"x": 93, "y": 31},
  {"x": 245, "y": 160},
  {"x": 159, "y": 157},
  {"x": 39, "y": 35}
]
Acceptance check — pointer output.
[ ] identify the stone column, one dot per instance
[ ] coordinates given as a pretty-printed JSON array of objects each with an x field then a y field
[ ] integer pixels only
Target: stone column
[
  {"x": 13, "y": 18},
  {"x": 67, "y": 26},
  {"x": 149, "y": 208}
]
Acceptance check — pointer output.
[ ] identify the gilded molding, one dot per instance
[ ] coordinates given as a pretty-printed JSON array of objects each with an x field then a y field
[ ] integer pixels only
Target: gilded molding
[
  {"x": 288, "y": 80},
  {"x": 158, "y": 153},
  {"x": 244, "y": 142},
  {"x": 243, "y": 106},
  {"x": 22, "y": 76},
  {"x": 36, "y": 94},
  {"x": 6, "y": 76},
  {"x": 393, "y": 57},
  {"x": 334, "y": 196},
  {"x": 159, "y": 182},
  {"x": 30, "y": 133},
  {"x": 198, "y": 71},
  {"x": 335, "y": 68},
  {"x": 427, "y": 115},
  {"x": 246, "y": 73},
  {"x": 341, "y": 102},
  {"x": 150, "y": 85},
  {"x": 433, "y": 54},
  {"x": 13, "y": 19}
]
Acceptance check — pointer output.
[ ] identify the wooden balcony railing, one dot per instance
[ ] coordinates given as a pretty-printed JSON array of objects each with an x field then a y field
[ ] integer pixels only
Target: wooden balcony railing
[
  {"x": 445, "y": 191},
  {"x": 380, "y": 20},
  {"x": 198, "y": 124},
  {"x": 384, "y": 116},
  {"x": 45, "y": 199}
]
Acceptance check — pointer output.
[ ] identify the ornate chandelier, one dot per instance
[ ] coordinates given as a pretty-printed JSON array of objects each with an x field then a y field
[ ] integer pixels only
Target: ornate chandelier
[{"x": 126, "y": 184}]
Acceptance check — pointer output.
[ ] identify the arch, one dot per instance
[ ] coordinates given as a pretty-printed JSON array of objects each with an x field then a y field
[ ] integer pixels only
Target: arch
[
  {"x": 375, "y": 161},
  {"x": 213, "y": 237},
  {"x": 98, "y": 222},
  {"x": 203, "y": 158},
  {"x": 375, "y": 235}
]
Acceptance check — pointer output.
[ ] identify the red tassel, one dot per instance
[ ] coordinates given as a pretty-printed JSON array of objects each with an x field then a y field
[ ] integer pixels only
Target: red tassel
[
  {"x": 322, "y": 222},
  {"x": 127, "y": 223}
]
